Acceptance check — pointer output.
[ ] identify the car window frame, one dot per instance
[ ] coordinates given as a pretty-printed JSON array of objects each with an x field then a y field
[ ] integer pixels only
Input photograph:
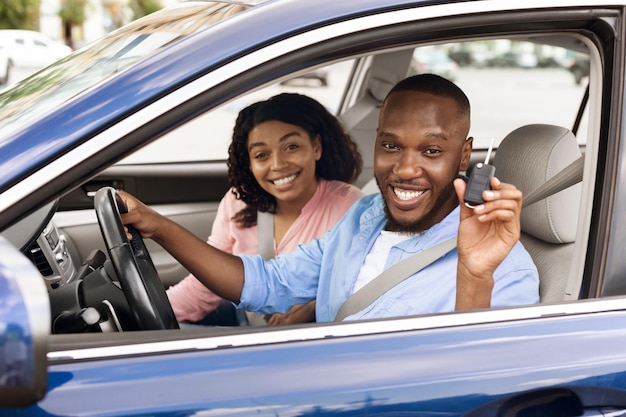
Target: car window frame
[{"x": 215, "y": 87}]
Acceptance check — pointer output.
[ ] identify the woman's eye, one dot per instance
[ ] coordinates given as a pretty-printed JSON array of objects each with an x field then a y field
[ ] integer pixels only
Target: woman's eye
[
  {"x": 292, "y": 147},
  {"x": 260, "y": 155}
]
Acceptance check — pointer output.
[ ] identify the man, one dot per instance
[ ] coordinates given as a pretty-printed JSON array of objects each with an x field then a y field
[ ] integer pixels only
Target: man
[{"x": 421, "y": 145}]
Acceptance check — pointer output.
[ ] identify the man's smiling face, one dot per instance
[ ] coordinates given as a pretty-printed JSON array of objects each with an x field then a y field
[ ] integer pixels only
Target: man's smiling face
[{"x": 420, "y": 148}]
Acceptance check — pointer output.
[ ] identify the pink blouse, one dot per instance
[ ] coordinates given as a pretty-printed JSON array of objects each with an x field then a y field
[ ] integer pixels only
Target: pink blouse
[{"x": 191, "y": 300}]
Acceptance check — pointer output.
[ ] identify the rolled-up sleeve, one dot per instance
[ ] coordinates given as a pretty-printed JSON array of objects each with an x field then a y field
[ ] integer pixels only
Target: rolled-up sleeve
[{"x": 276, "y": 285}]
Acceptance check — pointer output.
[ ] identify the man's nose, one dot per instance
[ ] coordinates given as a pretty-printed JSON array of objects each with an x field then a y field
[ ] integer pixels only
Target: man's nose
[{"x": 408, "y": 165}]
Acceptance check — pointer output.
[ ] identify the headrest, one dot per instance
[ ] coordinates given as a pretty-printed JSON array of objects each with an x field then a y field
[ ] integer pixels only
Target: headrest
[
  {"x": 380, "y": 83},
  {"x": 527, "y": 158}
]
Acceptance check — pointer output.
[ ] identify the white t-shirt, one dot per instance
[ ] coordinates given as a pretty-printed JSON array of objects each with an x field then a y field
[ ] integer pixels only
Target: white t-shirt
[{"x": 377, "y": 258}]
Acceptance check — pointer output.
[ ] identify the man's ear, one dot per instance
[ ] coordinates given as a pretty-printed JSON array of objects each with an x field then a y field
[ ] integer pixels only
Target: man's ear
[{"x": 466, "y": 153}]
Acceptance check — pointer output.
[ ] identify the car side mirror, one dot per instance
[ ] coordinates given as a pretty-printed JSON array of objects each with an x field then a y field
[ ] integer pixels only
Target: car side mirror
[{"x": 24, "y": 329}]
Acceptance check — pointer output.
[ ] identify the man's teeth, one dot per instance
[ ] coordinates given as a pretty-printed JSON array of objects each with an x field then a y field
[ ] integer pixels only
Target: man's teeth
[
  {"x": 284, "y": 181},
  {"x": 407, "y": 195}
]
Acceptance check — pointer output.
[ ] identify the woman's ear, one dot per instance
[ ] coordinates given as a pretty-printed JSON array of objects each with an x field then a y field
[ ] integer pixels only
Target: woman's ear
[{"x": 317, "y": 147}]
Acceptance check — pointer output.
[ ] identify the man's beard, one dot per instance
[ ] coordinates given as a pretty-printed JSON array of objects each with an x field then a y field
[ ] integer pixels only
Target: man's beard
[{"x": 427, "y": 221}]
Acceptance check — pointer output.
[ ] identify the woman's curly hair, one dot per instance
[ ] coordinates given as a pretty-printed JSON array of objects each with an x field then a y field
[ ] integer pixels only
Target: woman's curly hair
[{"x": 340, "y": 158}]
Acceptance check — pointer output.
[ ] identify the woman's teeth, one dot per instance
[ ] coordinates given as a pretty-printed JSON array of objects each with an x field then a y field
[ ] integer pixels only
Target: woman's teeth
[
  {"x": 284, "y": 181},
  {"x": 407, "y": 195}
]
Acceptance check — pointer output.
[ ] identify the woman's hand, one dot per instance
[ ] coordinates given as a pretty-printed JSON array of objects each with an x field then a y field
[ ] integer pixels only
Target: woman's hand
[
  {"x": 140, "y": 216},
  {"x": 299, "y": 313}
]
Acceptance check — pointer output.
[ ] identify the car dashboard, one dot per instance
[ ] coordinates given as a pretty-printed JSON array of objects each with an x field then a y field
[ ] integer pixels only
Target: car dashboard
[{"x": 85, "y": 295}]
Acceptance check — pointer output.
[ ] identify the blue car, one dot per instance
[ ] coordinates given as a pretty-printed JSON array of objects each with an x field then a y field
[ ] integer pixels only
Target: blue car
[{"x": 149, "y": 109}]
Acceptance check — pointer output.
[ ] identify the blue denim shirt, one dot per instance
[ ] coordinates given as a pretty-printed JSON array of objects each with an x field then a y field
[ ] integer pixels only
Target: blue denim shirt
[{"x": 326, "y": 269}]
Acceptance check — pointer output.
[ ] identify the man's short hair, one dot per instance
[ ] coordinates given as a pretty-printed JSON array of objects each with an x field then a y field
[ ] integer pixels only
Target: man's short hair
[{"x": 437, "y": 86}]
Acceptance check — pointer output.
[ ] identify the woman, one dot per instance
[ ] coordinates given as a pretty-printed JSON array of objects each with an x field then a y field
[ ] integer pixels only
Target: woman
[{"x": 291, "y": 158}]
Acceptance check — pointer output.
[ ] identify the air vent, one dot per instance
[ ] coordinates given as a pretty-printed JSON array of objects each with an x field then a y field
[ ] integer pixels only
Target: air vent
[{"x": 39, "y": 259}]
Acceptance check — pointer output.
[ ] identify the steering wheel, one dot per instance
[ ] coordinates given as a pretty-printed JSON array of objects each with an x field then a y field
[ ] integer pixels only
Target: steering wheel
[{"x": 132, "y": 263}]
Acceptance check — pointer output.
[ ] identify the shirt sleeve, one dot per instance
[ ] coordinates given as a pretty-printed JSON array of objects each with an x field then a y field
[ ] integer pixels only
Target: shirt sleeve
[
  {"x": 221, "y": 234},
  {"x": 516, "y": 280},
  {"x": 276, "y": 285},
  {"x": 191, "y": 300}
]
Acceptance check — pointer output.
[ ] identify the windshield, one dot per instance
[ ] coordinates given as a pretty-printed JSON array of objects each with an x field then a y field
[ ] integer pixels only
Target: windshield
[{"x": 47, "y": 89}]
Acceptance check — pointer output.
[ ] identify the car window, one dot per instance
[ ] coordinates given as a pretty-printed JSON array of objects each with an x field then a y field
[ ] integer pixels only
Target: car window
[
  {"x": 326, "y": 84},
  {"x": 68, "y": 78},
  {"x": 511, "y": 83}
]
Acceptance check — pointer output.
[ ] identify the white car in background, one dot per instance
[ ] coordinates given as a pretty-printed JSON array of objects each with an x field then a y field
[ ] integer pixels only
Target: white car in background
[
  {"x": 28, "y": 49},
  {"x": 4, "y": 68}
]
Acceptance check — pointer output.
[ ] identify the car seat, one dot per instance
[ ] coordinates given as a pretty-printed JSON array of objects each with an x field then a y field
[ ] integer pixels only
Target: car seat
[{"x": 527, "y": 158}]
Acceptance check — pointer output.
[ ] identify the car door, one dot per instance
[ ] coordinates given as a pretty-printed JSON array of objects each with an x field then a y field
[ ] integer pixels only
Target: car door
[{"x": 526, "y": 360}]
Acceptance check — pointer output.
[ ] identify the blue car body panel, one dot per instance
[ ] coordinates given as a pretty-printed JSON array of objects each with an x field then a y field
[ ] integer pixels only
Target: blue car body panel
[{"x": 408, "y": 372}]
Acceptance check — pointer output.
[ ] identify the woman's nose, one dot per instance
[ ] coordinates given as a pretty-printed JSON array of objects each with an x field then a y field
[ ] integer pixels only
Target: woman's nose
[{"x": 278, "y": 161}]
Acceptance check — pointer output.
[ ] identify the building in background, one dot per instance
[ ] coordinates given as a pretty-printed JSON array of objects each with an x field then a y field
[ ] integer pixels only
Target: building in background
[{"x": 101, "y": 17}]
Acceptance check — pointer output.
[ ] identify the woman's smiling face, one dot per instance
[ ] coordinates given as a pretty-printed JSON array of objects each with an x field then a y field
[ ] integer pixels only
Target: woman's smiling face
[{"x": 282, "y": 160}]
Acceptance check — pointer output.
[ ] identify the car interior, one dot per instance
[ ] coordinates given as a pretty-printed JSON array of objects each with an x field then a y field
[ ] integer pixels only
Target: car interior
[{"x": 186, "y": 183}]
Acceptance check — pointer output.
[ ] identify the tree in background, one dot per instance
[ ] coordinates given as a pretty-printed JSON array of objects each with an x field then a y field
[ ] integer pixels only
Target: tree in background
[
  {"x": 19, "y": 14},
  {"x": 141, "y": 8},
  {"x": 73, "y": 13}
]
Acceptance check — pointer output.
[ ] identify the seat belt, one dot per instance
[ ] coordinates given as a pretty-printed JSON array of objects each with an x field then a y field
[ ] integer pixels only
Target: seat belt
[
  {"x": 391, "y": 277},
  {"x": 265, "y": 234},
  {"x": 386, "y": 280},
  {"x": 568, "y": 176}
]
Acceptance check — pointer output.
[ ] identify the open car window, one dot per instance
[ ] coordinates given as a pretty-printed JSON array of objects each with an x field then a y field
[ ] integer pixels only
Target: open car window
[
  {"x": 206, "y": 138},
  {"x": 531, "y": 78},
  {"x": 510, "y": 83}
]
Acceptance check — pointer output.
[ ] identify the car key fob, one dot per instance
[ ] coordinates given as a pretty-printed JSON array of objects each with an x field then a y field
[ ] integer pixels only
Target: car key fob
[{"x": 479, "y": 181}]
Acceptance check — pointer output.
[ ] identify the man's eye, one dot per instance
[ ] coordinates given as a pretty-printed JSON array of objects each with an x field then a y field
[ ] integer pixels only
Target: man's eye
[
  {"x": 432, "y": 151},
  {"x": 390, "y": 146}
]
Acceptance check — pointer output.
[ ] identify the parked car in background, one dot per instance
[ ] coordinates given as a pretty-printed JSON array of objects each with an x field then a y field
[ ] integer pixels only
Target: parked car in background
[
  {"x": 463, "y": 57},
  {"x": 514, "y": 59},
  {"x": 431, "y": 60},
  {"x": 579, "y": 67},
  {"x": 4, "y": 68},
  {"x": 71, "y": 340},
  {"x": 29, "y": 49}
]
